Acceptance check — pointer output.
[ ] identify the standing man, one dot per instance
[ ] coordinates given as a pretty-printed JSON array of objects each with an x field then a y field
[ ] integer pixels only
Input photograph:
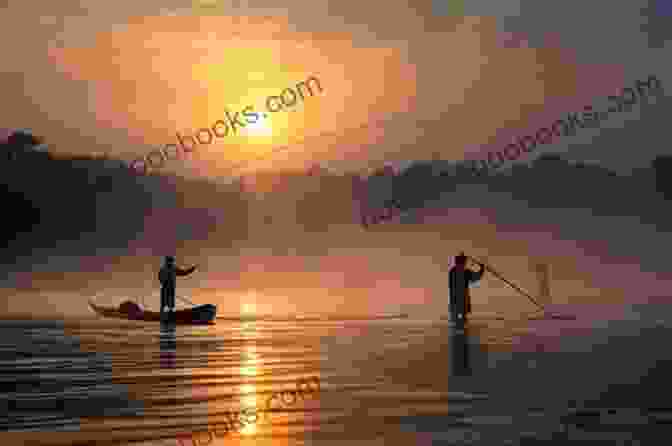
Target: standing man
[
  {"x": 459, "y": 279},
  {"x": 167, "y": 278}
]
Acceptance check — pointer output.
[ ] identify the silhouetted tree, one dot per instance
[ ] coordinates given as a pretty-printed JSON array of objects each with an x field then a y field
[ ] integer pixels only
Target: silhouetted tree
[
  {"x": 20, "y": 145},
  {"x": 663, "y": 171},
  {"x": 21, "y": 214},
  {"x": 417, "y": 184}
]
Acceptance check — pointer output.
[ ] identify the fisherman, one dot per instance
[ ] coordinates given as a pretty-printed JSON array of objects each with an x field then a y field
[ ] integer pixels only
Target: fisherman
[
  {"x": 167, "y": 278},
  {"x": 459, "y": 279}
]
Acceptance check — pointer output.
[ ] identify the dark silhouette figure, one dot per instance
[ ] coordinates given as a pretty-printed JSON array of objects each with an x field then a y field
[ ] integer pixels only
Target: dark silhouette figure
[
  {"x": 459, "y": 279},
  {"x": 460, "y": 353},
  {"x": 167, "y": 277}
]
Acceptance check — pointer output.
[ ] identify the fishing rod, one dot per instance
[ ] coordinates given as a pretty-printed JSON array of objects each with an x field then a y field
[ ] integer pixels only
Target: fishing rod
[
  {"x": 499, "y": 276},
  {"x": 186, "y": 300},
  {"x": 542, "y": 307}
]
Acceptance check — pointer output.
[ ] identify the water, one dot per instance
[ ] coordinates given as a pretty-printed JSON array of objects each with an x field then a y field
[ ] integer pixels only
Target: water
[{"x": 504, "y": 380}]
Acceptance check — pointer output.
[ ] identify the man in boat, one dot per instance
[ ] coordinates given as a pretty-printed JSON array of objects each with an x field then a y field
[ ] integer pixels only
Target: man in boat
[
  {"x": 167, "y": 277},
  {"x": 459, "y": 279}
]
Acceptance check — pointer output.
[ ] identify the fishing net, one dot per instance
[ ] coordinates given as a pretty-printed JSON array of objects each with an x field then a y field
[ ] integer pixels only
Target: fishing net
[{"x": 545, "y": 315}]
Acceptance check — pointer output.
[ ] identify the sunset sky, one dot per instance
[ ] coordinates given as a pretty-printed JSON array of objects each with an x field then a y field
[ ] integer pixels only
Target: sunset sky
[{"x": 410, "y": 80}]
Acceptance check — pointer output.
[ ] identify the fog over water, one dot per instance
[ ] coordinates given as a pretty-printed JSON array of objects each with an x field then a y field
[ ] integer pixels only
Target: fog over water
[{"x": 324, "y": 230}]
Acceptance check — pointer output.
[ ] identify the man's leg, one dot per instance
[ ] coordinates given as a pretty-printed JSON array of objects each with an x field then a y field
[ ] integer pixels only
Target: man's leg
[
  {"x": 464, "y": 309},
  {"x": 453, "y": 313},
  {"x": 171, "y": 298},
  {"x": 163, "y": 299}
]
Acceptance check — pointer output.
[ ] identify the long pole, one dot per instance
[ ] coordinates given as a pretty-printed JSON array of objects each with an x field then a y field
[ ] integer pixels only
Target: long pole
[
  {"x": 499, "y": 276},
  {"x": 186, "y": 300}
]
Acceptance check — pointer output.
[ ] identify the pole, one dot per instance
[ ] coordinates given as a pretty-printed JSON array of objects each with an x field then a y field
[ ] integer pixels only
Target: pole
[
  {"x": 187, "y": 301},
  {"x": 499, "y": 276},
  {"x": 544, "y": 281}
]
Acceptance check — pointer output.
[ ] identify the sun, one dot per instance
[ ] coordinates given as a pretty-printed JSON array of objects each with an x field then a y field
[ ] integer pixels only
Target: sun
[{"x": 262, "y": 127}]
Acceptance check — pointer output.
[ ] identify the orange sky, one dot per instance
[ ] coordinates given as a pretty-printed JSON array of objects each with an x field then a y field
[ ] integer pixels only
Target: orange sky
[
  {"x": 132, "y": 87},
  {"x": 186, "y": 74}
]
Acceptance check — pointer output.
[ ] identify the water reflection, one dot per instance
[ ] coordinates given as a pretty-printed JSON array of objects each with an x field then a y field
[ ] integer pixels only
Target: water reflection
[
  {"x": 168, "y": 345},
  {"x": 248, "y": 373}
]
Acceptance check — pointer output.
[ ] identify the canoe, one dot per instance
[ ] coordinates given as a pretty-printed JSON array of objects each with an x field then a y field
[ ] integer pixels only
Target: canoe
[{"x": 200, "y": 314}]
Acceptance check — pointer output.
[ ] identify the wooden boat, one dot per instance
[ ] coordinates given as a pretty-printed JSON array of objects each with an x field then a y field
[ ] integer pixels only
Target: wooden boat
[{"x": 200, "y": 314}]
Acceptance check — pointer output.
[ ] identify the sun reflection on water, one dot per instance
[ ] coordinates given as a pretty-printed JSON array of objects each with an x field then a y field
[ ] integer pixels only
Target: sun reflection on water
[{"x": 248, "y": 371}]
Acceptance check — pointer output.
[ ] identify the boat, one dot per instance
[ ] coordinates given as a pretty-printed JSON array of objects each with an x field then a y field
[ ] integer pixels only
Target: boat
[{"x": 197, "y": 315}]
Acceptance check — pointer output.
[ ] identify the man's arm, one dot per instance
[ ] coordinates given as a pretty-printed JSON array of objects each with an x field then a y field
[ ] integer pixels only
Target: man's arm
[
  {"x": 184, "y": 272},
  {"x": 475, "y": 276}
]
